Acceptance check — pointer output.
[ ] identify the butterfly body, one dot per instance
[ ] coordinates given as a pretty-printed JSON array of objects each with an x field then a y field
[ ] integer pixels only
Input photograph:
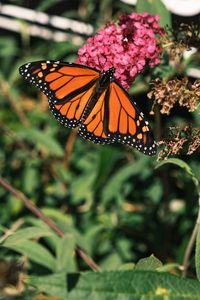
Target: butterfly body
[
  {"x": 106, "y": 78},
  {"x": 100, "y": 86},
  {"x": 93, "y": 101}
]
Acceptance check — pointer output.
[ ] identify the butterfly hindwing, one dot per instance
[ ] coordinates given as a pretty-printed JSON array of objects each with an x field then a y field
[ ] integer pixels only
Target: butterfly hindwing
[
  {"x": 68, "y": 87},
  {"x": 125, "y": 122},
  {"x": 93, "y": 128}
]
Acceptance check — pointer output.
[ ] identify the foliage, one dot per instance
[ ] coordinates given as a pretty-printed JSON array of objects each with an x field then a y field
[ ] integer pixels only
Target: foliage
[
  {"x": 115, "y": 203},
  {"x": 128, "y": 284}
]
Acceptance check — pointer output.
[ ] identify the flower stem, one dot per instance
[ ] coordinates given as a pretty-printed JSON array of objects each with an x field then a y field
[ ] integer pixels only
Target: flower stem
[
  {"x": 167, "y": 45},
  {"x": 35, "y": 210}
]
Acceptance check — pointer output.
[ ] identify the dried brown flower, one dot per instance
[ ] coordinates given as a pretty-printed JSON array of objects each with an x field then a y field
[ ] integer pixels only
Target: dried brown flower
[
  {"x": 188, "y": 34},
  {"x": 186, "y": 136},
  {"x": 173, "y": 48},
  {"x": 194, "y": 143},
  {"x": 183, "y": 92},
  {"x": 176, "y": 40}
]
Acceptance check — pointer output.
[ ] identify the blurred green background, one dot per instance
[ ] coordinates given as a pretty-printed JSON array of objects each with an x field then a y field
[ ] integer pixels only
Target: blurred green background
[{"x": 110, "y": 198}]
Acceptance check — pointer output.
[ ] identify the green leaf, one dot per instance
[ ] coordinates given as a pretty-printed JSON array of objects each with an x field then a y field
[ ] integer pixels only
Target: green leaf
[
  {"x": 160, "y": 9},
  {"x": 24, "y": 234},
  {"x": 42, "y": 140},
  {"x": 81, "y": 187},
  {"x": 107, "y": 158},
  {"x": 53, "y": 285},
  {"x": 144, "y": 6},
  {"x": 155, "y": 7},
  {"x": 14, "y": 205},
  {"x": 65, "y": 254},
  {"x": 111, "y": 262},
  {"x": 113, "y": 188},
  {"x": 34, "y": 252},
  {"x": 197, "y": 254},
  {"x": 168, "y": 267},
  {"x": 8, "y": 47},
  {"x": 180, "y": 163},
  {"x": 131, "y": 285},
  {"x": 150, "y": 263},
  {"x": 154, "y": 191},
  {"x": 126, "y": 285},
  {"x": 50, "y": 240},
  {"x": 127, "y": 266},
  {"x": 30, "y": 179},
  {"x": 59, "y": 216}
]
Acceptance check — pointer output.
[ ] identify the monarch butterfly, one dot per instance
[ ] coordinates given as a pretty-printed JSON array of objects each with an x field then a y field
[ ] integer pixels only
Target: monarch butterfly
[{"x": 92, "y": 100}]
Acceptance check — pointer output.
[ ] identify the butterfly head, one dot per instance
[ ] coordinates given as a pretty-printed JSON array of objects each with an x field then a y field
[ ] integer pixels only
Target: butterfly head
[
  {"x": 111, "y": 72},
  {"x": 107, "y": 77}
]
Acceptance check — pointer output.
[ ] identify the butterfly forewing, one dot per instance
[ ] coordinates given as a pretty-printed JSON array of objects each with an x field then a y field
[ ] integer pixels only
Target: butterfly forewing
[{"x": 68, "y": 87}]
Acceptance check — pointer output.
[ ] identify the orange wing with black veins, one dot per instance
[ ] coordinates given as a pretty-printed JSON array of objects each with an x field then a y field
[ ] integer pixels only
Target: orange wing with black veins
[
  {"x": 68, "y": 87},
  {"x": 93, "y": 127},
  {"x": 125, "y": 123}
]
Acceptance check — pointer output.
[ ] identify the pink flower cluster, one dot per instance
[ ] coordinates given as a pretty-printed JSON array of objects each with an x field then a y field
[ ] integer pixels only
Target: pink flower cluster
[{"x": 127, "y": 47}]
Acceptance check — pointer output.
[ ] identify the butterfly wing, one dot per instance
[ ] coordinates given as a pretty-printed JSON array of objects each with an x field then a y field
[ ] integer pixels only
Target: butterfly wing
[
  {"x": 115, "y": 118},
  {"x": 124, "y": 122},
  {"x": 68, "y": 87},
  {"x": 93, "y": 128}
]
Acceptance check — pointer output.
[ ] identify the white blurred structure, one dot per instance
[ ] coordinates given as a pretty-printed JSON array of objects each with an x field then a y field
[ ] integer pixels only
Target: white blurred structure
[
  {"x": 183, "y": 7},
  {"x": 179, "y": 7},
  {"x": 58, "y": 28},
  {"x": 46, "y": 26}
]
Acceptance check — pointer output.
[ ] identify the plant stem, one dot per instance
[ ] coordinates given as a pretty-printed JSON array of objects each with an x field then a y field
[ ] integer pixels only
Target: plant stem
[
  {"x": 191, "y": 243},
  {"x": 11, "y": 230},
  {"x": 35, "y": 210},
  {"x": 158, "y": 123},
  {"x": 69, "y": 147}
]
